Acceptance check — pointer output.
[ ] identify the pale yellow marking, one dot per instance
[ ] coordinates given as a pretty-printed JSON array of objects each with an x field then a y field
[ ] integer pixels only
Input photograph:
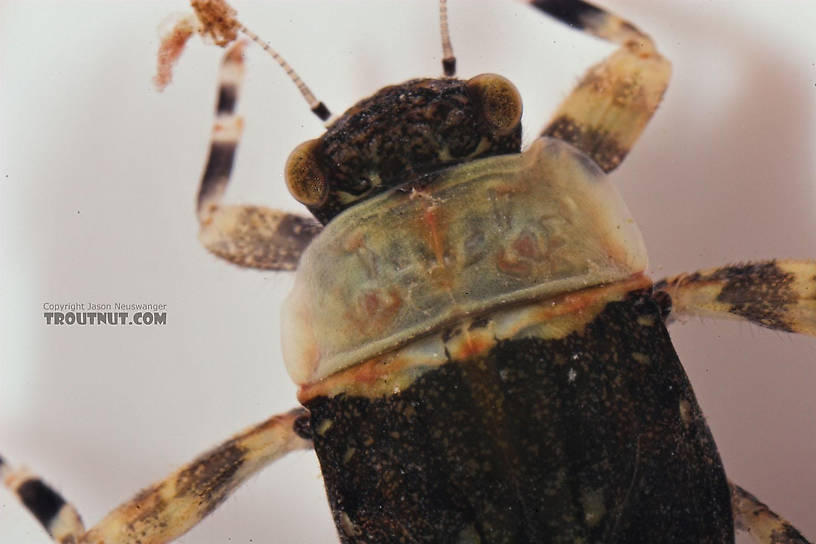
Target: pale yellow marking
[
  {"x": 13, "y": 479},
  {"x": 232, "y": 69},
  {"x": 66, "y": 525},
  {"x": 592, "y": 501},
  {"x": 468, "y": 535},
  {"x": 347, "y": 525},
  {"x": 646, "y": 320},
  {"x": 619, "y": 96},
  {"x": 641, "y": 358},
  {"x": 323, "y": 427},
  {"x": 227, "y": 129},
  {"x": 226, "y": 223},
  {"x": 802, "y": 316},
  {"x": 685, "y": 412}
]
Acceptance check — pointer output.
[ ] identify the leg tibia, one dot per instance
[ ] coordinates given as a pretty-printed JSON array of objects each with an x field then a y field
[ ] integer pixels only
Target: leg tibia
[
  {"x": 612, "y": 104},
  {"x": 250, "y": 236},
  {"x": 59, "y": 518},
  {"x": 774, "y": 294},
  {"x": 169, "y": 508},
  {"x": 166, "y": 510},
  {"x": 257, "y": 237}
]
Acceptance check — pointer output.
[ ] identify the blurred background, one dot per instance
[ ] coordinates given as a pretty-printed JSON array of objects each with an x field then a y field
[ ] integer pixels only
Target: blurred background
[{"x": 98, "y": 173}]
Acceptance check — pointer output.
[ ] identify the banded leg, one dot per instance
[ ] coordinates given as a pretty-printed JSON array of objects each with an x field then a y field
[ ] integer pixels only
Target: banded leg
[
  {"x": 250, "y": 236},
  {"x": 60, "y": 519},
  {"x": 171, "y": 507},
  {"x": 778, "y": 295},
  {"x": 611, "y": 105},
  {"x": 765, "y": 526}
]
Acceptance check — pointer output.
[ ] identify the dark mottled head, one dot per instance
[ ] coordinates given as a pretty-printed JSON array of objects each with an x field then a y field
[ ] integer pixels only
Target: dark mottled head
[{"x": 400, "y": 133}]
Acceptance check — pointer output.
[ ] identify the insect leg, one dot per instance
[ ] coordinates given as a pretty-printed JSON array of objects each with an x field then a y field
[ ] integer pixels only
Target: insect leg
[
  {"x": 765, "y": 526},
  {"x": 169, "y": 508},
  {"x": 611, "y": 105},
  {"x": 60, "y": 519},
  {"x": 774, "y": 294},
  {"x": 250, "y": 236}
]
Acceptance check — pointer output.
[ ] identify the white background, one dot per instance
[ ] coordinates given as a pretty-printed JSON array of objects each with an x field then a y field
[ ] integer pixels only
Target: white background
[{"x": 98, "y": 174}]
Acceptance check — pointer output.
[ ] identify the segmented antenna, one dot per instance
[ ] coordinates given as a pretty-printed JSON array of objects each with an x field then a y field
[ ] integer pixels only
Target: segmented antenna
[
  {"x": 448, "y": 59},
  {"x": 217, "y": 22},
  {"x": 318, "y": 107}
]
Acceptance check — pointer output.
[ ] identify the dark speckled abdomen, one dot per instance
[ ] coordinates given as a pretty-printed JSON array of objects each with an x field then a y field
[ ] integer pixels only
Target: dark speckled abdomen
[{"x": 593, "y": 437}]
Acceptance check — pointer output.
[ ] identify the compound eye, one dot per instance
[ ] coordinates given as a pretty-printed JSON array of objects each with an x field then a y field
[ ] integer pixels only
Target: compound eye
[
  {"x": 501, "y": 101},
  {"x": 304, "y": 175}
]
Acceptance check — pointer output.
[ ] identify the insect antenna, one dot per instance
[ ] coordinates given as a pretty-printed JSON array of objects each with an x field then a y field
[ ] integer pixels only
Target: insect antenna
[
  {"x": 215, "y": 21},
  {"x": 448, "y": 58},
  {"x": 317, "y": 106}
]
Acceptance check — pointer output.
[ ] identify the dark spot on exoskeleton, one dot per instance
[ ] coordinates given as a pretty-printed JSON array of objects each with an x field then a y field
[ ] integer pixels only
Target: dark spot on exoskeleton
[
  {"x": 571, "y": 12},
  {"x": 602, "y": 148},
  {"x": 299, "y": 229},
  {"x": 360, "y": 186},
  {"x": 303, "y": 426},
  {"x": 447, "y": 334},
  {"x": 41, "y": 500},
  {"x": 662, "y": 284},
  {"x": 217, "y": 171},
  {"x": 758, "y": 292},
  {"x": 227, "y": 96},
  {"x": 664, "y": 302},
  {"x": 788, "y": 535},
  {"x": 449, "y": 67},
  {"x": 420, "y": 183},
  {"x": 321, "y": 111},
  {"x": 479, "y": 323},
  {"x": 639, "y": 297},
  {"x": 210, "y": 476}
]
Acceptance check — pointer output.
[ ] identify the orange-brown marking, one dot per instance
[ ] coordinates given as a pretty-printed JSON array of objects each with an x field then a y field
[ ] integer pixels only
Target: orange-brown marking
[
  {"x": 375, "y": 309},
  {"x": 430, "y": 219},
  {"x": 217, "y": 20},
  {"x": 357, "y": 377},
  {"x": 170, "y": 49},
  {"x": 473, "y": 346}
]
